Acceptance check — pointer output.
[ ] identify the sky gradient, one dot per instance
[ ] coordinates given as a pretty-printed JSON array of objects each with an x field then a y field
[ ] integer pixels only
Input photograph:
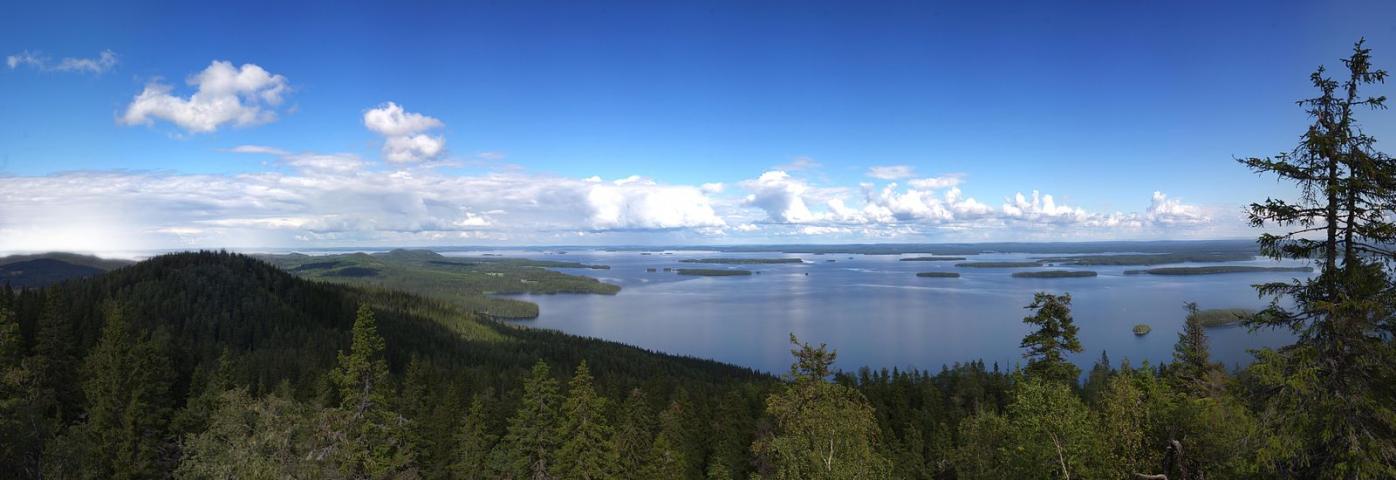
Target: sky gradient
[{"x": 176, "y": 125}]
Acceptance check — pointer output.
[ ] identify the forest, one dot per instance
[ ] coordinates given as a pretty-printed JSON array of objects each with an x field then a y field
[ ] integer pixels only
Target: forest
[{"x": 220, "y": 365}]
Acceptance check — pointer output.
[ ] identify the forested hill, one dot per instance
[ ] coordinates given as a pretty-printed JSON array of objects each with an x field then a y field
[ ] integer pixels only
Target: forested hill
[
  {"x": 210, "y": 321},
  {"x": 278, "y": 327}
]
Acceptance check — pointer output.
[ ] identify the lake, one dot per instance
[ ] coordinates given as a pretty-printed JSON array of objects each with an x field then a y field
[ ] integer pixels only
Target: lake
[{"x": 876, "y": 312}]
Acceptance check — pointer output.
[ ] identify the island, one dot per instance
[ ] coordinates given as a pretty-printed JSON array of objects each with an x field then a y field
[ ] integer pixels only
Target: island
[
  {"x": 1214, "y": 270},
  {"x": 712, "y": 272},
  {"x": 1152, "y": 258},
  {"x": 938, "y": 274},
  {"x": 1142, "y": 329},
  {"x": 999, "y": 264},
  {"x": 1224, "y": 317},
  {"x": 932, "y": 259},
  {"x": 1055, "y": 274},
  {"x": 743, "y": 261}
]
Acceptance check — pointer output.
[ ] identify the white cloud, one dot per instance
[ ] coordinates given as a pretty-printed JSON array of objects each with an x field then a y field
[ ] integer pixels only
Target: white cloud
[
  {"x": 891, "y": 172},
  {"x": 224, "y": 94},
  {"x": 935, "y": 183},
  {"x": 938, "y": 204},
  {"x": 103, "y": 62},
  {"x": 334, "y": 198},
  {"x": 781, "y": 196},
  {"x": 1167, "y": 211},
  {"x": 257, "y": 149},
  {"x": 405, "y": 140}
]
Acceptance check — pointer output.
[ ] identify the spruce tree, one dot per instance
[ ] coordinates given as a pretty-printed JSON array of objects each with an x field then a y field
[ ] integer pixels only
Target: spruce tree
[
  {"x": 56, "y": 360},
  {"x": 474, "y": 442},
  {"x": 586, "y": 452},
  {"x": 129, "y": 385},
  {"x": 1192, "y": 369},
  {"x": 1054, "y": 338},
  {"x": 528, "y": 446},
  {"x": 668, "y": 458},
  {"x": 1328, "y": 395},
  {"x": 634, "y": 438},
  {"x": 370, "y": 439}
]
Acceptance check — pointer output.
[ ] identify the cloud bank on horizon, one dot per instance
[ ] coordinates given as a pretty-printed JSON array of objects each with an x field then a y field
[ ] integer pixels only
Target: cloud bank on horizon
[{"x": 414, "y": 195}]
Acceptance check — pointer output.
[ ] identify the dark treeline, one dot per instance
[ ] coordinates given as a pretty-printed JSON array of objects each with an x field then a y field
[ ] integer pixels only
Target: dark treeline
[{"x": 216, "y": 365}]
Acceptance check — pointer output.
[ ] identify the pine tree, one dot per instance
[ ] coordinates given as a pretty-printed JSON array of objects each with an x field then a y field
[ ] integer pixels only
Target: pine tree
[
  {"x": 474, "y": 442},
  {"x": 586, "y": 452},
  {"x": 823, "y": 430},
  {"x": 1055, "y": 337},
  {"x": 1328, "y": 394},
  {"x": 370, "y": 439},
  {"x": 129, "y": 382},
  {"x": 528, "y": 446}
]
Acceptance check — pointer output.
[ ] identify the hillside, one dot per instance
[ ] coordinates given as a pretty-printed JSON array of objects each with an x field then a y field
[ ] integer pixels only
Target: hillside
[
  {"x": 470, "y": 283},
  {"x": 38, "y": 270}
]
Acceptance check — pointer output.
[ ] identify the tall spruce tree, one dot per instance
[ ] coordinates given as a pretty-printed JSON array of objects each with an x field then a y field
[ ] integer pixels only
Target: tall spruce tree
[
  {"x": 634, "y": 438},
  {"x": 1054, "y": 338},
  {"x": 1193, "y": 370},
  {"x": 370, "y": 439},
  {"x": 474, "y": 442},
  {"x": 1328, "y": 395},
  {"x": 528, "y": 447},
  {"x": 586, "y": 452},
  {"x": 129, "y": 385}
]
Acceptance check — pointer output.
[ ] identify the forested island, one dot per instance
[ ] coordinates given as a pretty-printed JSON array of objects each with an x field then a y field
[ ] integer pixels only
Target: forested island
[
  {"x": 1151, "y": 258},
  {"x": 999, "y": 264},
  {"x": 932, "y": 259},
  {"x": 938, "y": 274},
  {"x": 712, "y": 272},
  {"x": 1215, "y": 270},
  {"x": 743, "y": 261},
  {"x": 1055, "y": 274}
]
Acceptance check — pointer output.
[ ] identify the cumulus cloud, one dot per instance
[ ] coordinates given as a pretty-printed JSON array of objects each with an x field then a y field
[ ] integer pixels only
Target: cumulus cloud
[
  {"x": 891, "y": 172},
  {"x": 938, "y": 203},
  {"x": 1172, "y": 211},
  {"x": 780, "y": 196},
  {"x": 404, "y": 137},
  {"x": 224, "y": 94},
  {"x": 336, "y": 198},
  {"x": 98, "y": 65}
]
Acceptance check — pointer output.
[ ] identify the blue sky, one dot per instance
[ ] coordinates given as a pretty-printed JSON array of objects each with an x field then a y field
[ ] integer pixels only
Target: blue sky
[{"x": 1099, "y": 104}]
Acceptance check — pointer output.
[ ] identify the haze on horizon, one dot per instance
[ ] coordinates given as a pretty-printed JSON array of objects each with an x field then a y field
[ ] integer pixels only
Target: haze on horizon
[{"x": 155, "y": 127}]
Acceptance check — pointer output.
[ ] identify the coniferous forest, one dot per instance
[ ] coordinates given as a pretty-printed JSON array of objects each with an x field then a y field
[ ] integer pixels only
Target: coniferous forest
[{"x": 218, "y": 365}]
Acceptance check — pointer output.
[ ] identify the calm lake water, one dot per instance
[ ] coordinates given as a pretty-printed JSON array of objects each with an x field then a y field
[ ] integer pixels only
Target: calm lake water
[{"x": 875, "y": 312}]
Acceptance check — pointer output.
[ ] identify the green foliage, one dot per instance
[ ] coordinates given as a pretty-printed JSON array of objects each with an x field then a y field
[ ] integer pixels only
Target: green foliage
[
  {"x": 1193, "y": 370},
  {"x": 586, "y": 452},
  {"x": 1054, "y": 338},
  {"x": 367, "y": 438},
  {"x": 1328, "y": 396},
  {"x": 528, "y": 449},
  {"x": 1047, "y": 432},
  {"x": 467, "y": 283},
  {"x": 270, "y": 437},
  {"x": 474, "y": 442},
  {"x": 634, "y": 439},
  {"x": 823, "y": 430},
  {"x": 128, "y": 380}
]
